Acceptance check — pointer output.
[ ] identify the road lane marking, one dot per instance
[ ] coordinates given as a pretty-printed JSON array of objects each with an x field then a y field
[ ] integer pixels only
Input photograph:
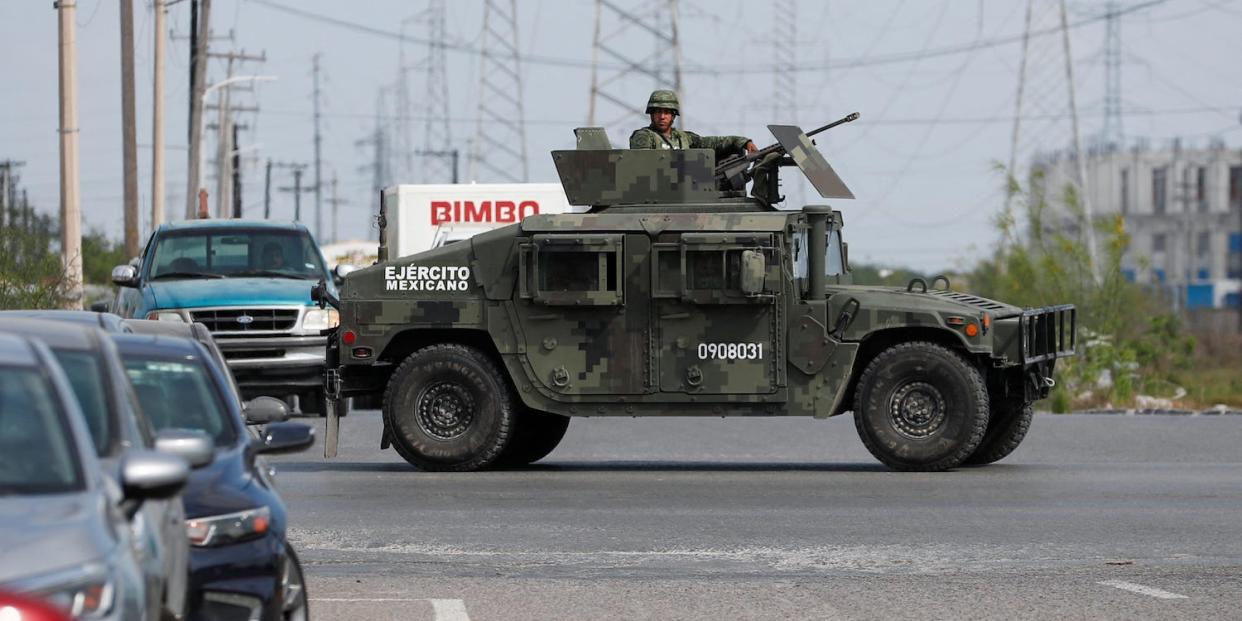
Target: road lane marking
[
  {"x": 450, "y": 610},
  {"x": 444, "y": 609},
  {"x": 1142, "y": 590}
]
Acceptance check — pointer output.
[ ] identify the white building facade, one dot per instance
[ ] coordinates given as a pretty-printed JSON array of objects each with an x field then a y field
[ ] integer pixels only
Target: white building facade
[{"x": 1182, "y": 209}]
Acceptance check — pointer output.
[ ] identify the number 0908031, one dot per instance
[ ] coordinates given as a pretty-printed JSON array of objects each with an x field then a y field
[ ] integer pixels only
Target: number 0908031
[{"x": 730, "y": 351}]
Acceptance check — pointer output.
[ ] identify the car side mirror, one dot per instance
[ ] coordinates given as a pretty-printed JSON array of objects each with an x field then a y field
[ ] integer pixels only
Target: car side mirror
[
  {"x": 754, "y": 270},
  {"x": 264, "y": 410},
  {"x": 192, "y": 445},
  {"x": 284, "y": 438},
  {"x": 99, "y": 307},
  {"x": 340, "y": 272},
  {"x": 125, "y": 276},
  {"x": 150, "y": 475}
]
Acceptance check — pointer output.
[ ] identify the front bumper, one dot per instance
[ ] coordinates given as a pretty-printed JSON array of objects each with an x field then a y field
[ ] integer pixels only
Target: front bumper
[
  {"x": 275, "y": 361},
  {"x": 238, "y": 582}
]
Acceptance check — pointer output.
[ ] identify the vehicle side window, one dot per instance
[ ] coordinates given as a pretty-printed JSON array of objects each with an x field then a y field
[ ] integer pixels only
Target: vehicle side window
[
  {"x": 579, "y": 270},
  {"x": 711, "y": 266}
]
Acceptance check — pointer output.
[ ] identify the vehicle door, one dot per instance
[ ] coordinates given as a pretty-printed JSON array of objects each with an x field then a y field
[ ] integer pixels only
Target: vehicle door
[
  {"x": 713, "y": 337},
  {"x": 584, "y": 314}
]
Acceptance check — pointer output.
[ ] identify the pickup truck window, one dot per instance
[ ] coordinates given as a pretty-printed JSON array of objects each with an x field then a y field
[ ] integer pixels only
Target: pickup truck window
[{"x": 236, "y": 253}]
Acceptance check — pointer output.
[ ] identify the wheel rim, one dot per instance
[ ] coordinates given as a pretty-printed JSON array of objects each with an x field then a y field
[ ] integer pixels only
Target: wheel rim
[
  {"x": 294, "y": 602},
  {"x": 917, "y": 410},
  {"x": 445, "y": 410}
]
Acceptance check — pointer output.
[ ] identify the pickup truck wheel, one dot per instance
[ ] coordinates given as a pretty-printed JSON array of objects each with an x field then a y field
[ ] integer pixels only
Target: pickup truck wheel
[
  {"x": 1010, "y": 420},
  {"x": 536, "y": 434},
  {"x": 449, "y": 408},
  {"x": 920, "y": 406}
]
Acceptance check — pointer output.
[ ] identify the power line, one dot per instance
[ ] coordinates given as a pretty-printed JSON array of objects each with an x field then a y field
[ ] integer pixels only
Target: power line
[{"x": 870, "y": 61}]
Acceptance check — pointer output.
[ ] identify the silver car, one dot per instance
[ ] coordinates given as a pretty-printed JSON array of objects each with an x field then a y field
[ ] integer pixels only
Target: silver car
[
  {"x": 118, "y": 427},
  {"x": 65, "y": 524}
]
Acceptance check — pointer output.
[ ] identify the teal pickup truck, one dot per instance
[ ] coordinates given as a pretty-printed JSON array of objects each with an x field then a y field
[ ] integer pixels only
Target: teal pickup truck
[{"x": 249, "y": 282}]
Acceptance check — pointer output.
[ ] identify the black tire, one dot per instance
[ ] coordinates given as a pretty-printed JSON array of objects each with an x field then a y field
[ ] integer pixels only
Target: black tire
[
  {"x": 448, "y": 408},
  {"x": 536, "y": 434},
  {"x": 295, "y": 604},
  {"x": 920, "y": 407},
  {"x": 1010, "y": 420}
]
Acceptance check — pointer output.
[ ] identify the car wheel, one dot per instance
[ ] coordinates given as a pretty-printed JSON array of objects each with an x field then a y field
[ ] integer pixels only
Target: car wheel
[
  {"x": 536, "y": 434},
  {"x": 295, "y": 605},
  {"x": 920, "y": 406},
  {"x": 1007, "y": 426},
  {"x": 449, "y": 408}
]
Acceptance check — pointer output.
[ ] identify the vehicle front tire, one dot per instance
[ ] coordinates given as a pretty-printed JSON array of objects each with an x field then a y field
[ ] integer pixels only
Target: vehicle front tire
[
  {"x": 1010, "y": 420},
  {"x": 536, "y": 434},
  {"x": 295, "y": 605},
  {"x": 448, "y": 408},
  {"x": 921, "y": 407}
]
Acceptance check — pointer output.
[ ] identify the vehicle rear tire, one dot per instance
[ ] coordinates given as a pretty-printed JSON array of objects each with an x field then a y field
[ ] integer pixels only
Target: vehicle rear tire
[
  {"x": 448, "y": 408},
  {"x": 536, "y": 434},
  {"x": 1010, "y": 420},
  {"x": 921, "y": 407}
]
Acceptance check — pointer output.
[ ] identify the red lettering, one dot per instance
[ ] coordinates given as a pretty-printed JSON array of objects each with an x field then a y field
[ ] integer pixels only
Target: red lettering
[
  {"x": 439, "y": 212},
  {"x": 528, "y": 208},
  {"x": 504, "y": 211},
  {"x": 480, "y": 213}
]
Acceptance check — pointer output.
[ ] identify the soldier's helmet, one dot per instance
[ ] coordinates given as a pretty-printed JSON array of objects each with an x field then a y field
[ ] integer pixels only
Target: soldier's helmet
[{"x": 663, "y": 99}]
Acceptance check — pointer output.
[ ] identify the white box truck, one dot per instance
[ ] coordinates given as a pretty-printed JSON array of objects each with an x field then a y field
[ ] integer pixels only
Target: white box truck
[{"x": 421, "y": 217}]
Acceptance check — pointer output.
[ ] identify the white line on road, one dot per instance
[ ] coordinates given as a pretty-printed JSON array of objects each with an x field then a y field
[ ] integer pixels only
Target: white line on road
[
  {"x": 445, "y": 609},
  {"x": 1142, "y": 590},
  {"x": 450, "y": 610}
]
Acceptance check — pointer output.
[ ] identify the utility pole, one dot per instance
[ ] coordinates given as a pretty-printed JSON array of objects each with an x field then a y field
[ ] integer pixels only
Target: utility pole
[
  {"x": 224, "y": 149},
  {"x": 318, "y": 171},
  {"x": 8, "y": 191},
  {"x": 129, "y": 139},
  {"x": 336, "y": 202},
  {"x": 298, "y": 168},
  {"x": 70, "y": 213},
  {"x": 198, "y": 77},
  {"x": 267, "y": 191},
  {"x": 1084, "y": 193},
  {"x": 237, "y": 189},
  {"x": 157, "y": 118}
]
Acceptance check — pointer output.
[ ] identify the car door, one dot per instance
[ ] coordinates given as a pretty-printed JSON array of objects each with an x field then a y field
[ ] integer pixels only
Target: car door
[{"x": 715, "y": 340}]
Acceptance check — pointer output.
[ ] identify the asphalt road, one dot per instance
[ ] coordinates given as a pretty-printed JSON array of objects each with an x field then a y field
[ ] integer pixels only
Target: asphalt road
[{"x": 1092, "y": 517}]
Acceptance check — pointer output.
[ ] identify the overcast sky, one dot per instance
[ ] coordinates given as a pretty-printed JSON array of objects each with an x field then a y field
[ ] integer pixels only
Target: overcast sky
[{"x": 935, "y": 82}]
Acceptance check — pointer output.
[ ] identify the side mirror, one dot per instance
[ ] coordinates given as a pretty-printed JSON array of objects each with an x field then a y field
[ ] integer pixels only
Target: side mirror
[
  {"x": 754, "y": 270},
  {"x": 195, "y": 447},
  {"x": 340, "y": 272},
  {"x": 264, "y": 410},
  {"x": 284, "y": 438},
  {"x": 99, "y": 307},
  {"x": 125, "y": 276},
  {"x": 148, "y": 475}
]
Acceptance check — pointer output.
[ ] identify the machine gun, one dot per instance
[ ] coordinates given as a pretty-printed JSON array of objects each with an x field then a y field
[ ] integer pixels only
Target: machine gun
[{"x": 737, "y": 170}]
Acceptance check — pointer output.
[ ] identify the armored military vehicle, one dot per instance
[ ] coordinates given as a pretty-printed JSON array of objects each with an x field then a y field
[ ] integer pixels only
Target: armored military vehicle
[{"x": 677, "y": 294}]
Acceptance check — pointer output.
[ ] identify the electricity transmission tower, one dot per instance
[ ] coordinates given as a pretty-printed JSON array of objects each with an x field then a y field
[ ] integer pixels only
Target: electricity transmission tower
[
  {"x": 621, "y": 76},
  {"x": 433, "y": 101},
  {"x": 499, "y": 145},
  {"x": 1112, "y": 132},
  {"x": 784, "y": 78}
]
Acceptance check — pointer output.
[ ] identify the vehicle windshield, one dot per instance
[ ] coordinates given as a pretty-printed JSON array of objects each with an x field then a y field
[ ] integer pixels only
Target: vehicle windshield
[
  {"x": 225, "y": 253},
  {"x": 177, "y": 393},
  {"x": 39, "y": 455},
  {"x": 86, "y": 377}
]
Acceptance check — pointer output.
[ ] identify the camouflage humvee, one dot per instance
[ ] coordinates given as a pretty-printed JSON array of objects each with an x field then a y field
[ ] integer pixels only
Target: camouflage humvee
[{"x": 679, "y": 295}]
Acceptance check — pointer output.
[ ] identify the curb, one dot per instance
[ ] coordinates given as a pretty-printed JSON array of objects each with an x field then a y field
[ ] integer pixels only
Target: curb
[{"x": 1163, "y": 412}]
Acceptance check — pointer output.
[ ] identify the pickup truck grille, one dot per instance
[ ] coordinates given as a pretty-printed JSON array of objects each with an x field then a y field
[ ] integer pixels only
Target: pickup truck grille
[
  {"x": 1049, "y": 333},
  {"x": 247, "y": 320}
]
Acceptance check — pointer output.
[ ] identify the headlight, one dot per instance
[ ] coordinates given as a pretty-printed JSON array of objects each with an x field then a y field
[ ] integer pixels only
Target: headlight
[
  {"x": 84, "y": 592},
  {"x": 317, "y": 319},
  {"x": 166, "y": 316},
  {"x": 218, "y": 530}
]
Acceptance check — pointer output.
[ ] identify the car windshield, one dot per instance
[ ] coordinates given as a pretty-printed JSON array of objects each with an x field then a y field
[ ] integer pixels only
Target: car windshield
[
  {"x": 225, "y": 253},
  {"x": 176, "y": 393},
  {"x": 86, "y": 377},
  {"x": 39, "y": 455}
]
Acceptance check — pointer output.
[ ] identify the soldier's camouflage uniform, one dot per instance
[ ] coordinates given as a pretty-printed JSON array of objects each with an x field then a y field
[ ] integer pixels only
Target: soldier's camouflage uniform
[{"x": 724, "y": 146}]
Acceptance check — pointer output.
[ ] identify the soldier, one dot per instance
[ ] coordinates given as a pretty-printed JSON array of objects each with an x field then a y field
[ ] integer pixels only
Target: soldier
[{"x": 663, "y": 107}]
